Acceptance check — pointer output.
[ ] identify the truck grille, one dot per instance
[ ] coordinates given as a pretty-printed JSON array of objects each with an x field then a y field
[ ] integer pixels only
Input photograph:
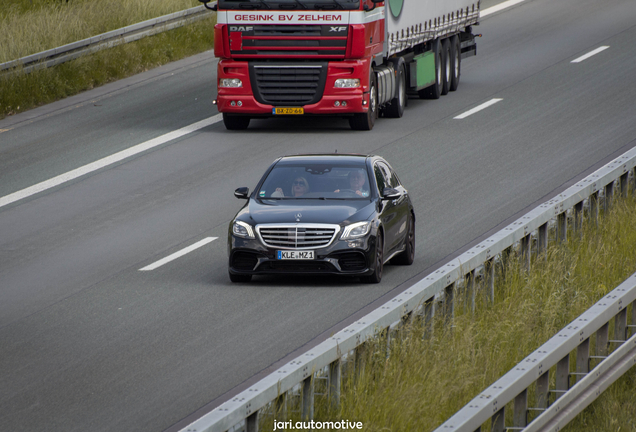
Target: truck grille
[
  {"x": 288, "y": 85},
  {"x": 297, "y": 236},
  {"x": 274, "y": 41}
]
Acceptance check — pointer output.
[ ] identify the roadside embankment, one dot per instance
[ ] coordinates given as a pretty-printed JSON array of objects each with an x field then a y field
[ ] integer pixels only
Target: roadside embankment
[
  {"x": 420, "y": 375},
  {"x": 28, "y": 27}
]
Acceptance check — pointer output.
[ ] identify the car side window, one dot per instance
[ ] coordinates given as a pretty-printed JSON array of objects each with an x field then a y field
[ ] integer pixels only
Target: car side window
[{"x": 382, "y": 176}]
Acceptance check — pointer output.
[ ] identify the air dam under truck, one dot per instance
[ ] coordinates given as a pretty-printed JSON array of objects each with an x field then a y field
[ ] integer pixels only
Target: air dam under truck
[{"x": 349, "y": 58}]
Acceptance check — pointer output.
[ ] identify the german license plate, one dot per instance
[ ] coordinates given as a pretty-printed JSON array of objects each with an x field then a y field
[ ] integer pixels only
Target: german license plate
[
  {"x": 288, "y": 111},
  {"x": 295, "y": 255}
]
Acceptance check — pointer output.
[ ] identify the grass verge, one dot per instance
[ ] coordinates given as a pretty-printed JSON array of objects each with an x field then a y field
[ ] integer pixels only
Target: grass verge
[
  {"x": 422, "y": 377},
  {"x": 20, "y": 92}
]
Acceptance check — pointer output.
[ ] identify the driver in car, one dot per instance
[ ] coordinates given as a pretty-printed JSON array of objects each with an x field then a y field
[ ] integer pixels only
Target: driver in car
[{"x": 357, "y": 183}]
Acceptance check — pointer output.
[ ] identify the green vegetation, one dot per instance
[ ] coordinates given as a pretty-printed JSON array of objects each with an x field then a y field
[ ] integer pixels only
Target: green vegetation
[
  {"x": 422, "y": 377},
  {"x": 28, "y": 27}
]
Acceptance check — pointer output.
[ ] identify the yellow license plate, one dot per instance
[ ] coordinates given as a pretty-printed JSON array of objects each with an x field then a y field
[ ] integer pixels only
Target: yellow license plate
[{"x": 288, "y": 111}]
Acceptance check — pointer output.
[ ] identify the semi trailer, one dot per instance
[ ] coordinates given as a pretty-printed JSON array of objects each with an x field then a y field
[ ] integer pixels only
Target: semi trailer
[{"x": 359, "y": 59}]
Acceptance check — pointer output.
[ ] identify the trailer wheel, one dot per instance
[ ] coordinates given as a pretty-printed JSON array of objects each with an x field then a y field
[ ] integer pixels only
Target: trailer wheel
[
  {"x": 447, "y": 70},
  {"x": 234, "y": 122},
  {"x": 434, "y": 91},
  {"x": 396, "y": 108},
  {"x": 456, "y": 62},
  {"x": 365, "y": 121}
]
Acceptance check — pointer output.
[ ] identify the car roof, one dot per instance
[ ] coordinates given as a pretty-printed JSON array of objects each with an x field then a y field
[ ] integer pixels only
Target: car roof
[{"x": 338, "y": 158}]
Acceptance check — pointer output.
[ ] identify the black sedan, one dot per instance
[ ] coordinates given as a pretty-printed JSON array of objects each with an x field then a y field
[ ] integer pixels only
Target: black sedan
[{"x": 323, "y": 214}]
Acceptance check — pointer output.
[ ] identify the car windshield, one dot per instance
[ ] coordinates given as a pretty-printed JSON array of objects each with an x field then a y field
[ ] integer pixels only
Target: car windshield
[
  {"x": 321, "y": 181},
  {"x": 290, "y": 4}
]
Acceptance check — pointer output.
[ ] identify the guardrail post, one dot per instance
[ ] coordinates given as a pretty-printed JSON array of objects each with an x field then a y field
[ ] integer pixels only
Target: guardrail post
[
  {"x": 308, "y": 398},
  {"x": 335, "y": 374},
  {"x": 471, "y": 292},
  {"x": 609, "y": 194},
  {"x": 562, "y": 227},
  {"x": 633, "y": 180},
  {"x": 499, "y": 420},
  {"x": 251, "y": 423},
  {"x": 582, "y": 359},
  {"x": 578, "y": 219},
  {"x": 449, "y": 302},
  {"x": 520, "y": 417},
  {"x": 543, "y": 238},
  {"x": 489, "y": 269},
  {"x": 623, "y": 183},
  {"x": 620, "y": 325},
  {"x": 429, "y": 314},
  {"x": 562, "y": 376},
  {"x": 594, "y": 207},
  {"x": 525, "y": 251},
  {"x": 602, "y": 340},
  {"x": 543, "y": 390}
]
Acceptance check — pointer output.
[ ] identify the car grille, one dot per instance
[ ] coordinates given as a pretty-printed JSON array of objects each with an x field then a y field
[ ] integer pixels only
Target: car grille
[
  {"x": 298, "y": 236},
  {"x": 277, "y": 41},
  {"x": 288, "y": 85}
]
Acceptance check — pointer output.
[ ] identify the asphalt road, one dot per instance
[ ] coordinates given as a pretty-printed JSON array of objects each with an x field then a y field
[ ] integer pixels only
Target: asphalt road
[{"x": 90, "y": 342}]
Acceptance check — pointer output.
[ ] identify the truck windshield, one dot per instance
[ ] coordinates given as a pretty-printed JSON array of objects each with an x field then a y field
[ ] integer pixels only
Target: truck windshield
[{"x": 290, "y": 4}]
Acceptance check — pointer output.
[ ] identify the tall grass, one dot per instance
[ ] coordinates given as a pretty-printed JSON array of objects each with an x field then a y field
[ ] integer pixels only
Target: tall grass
[
  {"x": 27, "y": 27},
  {"x": 423, "y": 376}
]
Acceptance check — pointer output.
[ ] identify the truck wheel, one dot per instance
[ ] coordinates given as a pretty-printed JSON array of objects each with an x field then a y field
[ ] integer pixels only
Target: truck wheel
[
  {"x": 456, "y": 62},
  {"x": 365, "y": 121},
  {"x": 396, "y": 108},
  {"x": 435, "y": 91},
  {"x": 446, "y": 72},
  {"x": 233, "y": 122}
]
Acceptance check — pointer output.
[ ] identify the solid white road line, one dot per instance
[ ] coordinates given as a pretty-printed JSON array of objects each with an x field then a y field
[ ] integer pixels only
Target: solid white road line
[
  {"x": 478, "y": 108},
  {"x": 499, "y": 7},
  {"x": 179, "y": 254},
  {"x": 109, "y": 160},
  {"x": 590, "y": 54}
]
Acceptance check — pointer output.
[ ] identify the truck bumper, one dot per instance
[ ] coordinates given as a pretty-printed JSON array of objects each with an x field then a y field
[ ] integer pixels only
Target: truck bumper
[{"x": 334, "y": 101}]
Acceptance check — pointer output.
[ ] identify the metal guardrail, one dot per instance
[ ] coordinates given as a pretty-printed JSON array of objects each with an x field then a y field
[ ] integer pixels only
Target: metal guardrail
[
  {"x": 110, "y": 39},
  {"x": 424, "y": 296},
  {"x": 536, "y": 368}
]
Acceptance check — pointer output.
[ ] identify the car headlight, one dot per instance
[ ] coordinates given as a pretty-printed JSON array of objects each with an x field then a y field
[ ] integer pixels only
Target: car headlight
[
  {"x": 230, "y": 82},
  {"x": 242, "y": 229},
  {"x": 347, "y": 83},
  {"x": 356, "y": 230}
]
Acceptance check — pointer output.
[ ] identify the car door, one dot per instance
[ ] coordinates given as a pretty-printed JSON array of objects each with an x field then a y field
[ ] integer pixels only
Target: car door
[{"x": 390, "y": 209}]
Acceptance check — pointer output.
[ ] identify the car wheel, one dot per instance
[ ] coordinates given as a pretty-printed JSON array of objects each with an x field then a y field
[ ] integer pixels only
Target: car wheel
[
  {"x": 408, "y": 256},
  {"x": 376, "y": 277},
  {"x": 365, "y": 121},
  {"x": 396, "y": 108},
  {"x": 238, "y": 278}
]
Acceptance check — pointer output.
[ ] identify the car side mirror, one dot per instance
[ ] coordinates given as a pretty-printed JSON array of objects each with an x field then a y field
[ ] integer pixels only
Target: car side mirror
[
  {"x": 390, "y": 194},
  {"x": 242, "y": 193},
  {"x": 214, "y": 6}
]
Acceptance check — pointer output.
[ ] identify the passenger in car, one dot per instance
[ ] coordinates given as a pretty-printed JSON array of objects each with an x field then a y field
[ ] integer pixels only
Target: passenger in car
[{"x": 300, "y": 186}]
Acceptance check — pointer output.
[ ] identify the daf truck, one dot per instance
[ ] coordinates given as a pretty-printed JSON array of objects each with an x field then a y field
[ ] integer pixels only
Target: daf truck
[{"x": 359, "y": 59}]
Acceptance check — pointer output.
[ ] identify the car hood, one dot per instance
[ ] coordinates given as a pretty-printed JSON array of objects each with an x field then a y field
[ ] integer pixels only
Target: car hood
[{"x": 264, "y": 211}]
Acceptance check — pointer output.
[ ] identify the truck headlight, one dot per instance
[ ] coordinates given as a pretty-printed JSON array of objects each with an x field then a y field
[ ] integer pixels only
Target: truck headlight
[
  {"x": 347, "y": 83},
  {"x": 230, "y": 83},
  {"x": 356, "y": 230},
  {"x": 242, "y": 229}
]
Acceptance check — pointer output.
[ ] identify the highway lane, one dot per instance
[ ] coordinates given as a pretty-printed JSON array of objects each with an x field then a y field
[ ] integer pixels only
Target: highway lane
[{"x": 90, "y": 341}]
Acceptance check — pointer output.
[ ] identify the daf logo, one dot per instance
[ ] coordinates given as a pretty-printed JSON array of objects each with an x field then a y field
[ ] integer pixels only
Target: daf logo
[
  {"x": 337, "y": 29},
  {"x": 241, "y": 28},
  {"x": 298, "y": 216}
]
